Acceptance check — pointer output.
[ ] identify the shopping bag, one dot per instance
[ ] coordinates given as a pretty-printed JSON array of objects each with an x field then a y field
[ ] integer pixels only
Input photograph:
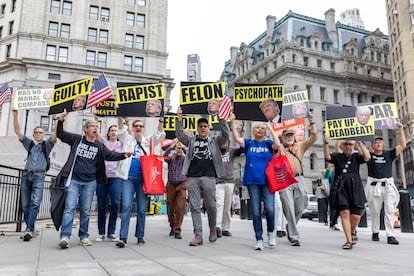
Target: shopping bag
[
  {"x": 152, "y": 166},
  {"x": 279, "y": 173}
]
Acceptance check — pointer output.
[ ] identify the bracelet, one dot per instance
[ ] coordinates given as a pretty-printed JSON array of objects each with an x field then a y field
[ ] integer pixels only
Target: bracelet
[
  {"x": 311, "y": 123},
  {"x": 326, "y": 142},
  {"x": 161, "y": 121}
]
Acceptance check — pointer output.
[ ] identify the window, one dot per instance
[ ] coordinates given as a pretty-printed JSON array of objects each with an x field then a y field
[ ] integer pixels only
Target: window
[
  {"x": 53, "y": 76},
  {"x": 293, "y": 58},
  {"x": 53, "y": 28},
  {"x": 309, "y": 89},
  {"x": 51, "y": 52},
  {"x": 2, "y": 10},
  {"x": 13, "y": 7},
  {"x": 11, "y": 26},
  {"x": 319, "y": 63},
  {"x": 105, "y": 14},
  {"x": 305, "y": 61},
  {"x": 67, "y": 8},
  {"x": 332, "y": 65},
  {"x": 312, "y": 160},
  {"x": 141, "y": 20},
  {"x": 323, "y": 113},
  {"x": 322, "y": 94},
  {"x": 103, "y": 36},
  {"x": 1, "y": 32},
  {"x": 8, "y": 50},
  {"x": 93, "y": 12},
  {"x": 90, "y": 58},
  {"x": 129, "y": 40},
  {"x": 131, "y": 2},
  {"x": 141, "y": 2},
  {"x": 139, "y": 64},
  {"x": 128, "y": 63},
  {"x": 336, "y": 96},
  {"x": 130, "y": 18},
  {"x": 45, "y": 123},
  {"x": 139, "y": 42},
  {"x": 63, "y": 54},
  {"x": 92, "y": 34},
  {"x": 102, "y": 57},
  {"x": 64, "y": 30},
  {"x": 55, "y": 6}
]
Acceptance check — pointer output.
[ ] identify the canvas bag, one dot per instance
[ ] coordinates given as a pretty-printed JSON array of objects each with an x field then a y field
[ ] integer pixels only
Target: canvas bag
[
  {"x": 279, "y": 173},
  {"x": 152, "y": 166}
]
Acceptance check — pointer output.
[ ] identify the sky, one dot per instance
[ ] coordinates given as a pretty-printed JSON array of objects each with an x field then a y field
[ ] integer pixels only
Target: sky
[{"x": 210, "y": 28}]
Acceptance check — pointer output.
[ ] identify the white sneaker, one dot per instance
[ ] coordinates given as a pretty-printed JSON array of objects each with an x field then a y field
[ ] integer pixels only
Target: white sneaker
[
  {"x": 64, "y": 242},
  {"x": 271, "y": 239},
  {"x": 113, "y": 237},
  {"x": 85, "y": 242},
  {"x": 259, "y": 245},
  {"x": 100, "y": 238}
]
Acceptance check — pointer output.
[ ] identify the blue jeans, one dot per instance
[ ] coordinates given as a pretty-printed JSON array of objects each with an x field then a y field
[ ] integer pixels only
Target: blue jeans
[
  {"x": 84, "y": 191},
  {"x": 113, "y": 189},
  {"x": 258, "y": 193},
  {"x": 131, "y": 187},
  {"x": 32, "y": 194}
]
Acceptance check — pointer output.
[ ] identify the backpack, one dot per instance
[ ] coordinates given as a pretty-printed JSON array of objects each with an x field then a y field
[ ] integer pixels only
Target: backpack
[{"x": 44, "y": 153}]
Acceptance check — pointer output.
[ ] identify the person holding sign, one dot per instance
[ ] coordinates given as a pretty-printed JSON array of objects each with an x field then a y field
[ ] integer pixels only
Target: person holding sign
[
  {"x": 202, "y": 165},
  {"x": 347, "y": 191},
  {"x": 380, "y": 188},
  {"x": 271, "y": 111}
]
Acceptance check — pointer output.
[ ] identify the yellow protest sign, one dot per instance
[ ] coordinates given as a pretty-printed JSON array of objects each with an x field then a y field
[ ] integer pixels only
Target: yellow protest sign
[
  {"x": 258, "y": 93},
  {"x": 343, "y": 128},
  {"x": 140, "y": 93},
  {"x": 201, "y": 92},
  {"x": 189, "y": 122},
  {"x": 69, "y": 91}
]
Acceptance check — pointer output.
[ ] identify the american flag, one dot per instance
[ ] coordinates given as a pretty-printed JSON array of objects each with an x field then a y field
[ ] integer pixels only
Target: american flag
[
  {"x": 100, "y": 92},
  {"x": 5, "y": 92},
  {"x": 225, "y": 106}
]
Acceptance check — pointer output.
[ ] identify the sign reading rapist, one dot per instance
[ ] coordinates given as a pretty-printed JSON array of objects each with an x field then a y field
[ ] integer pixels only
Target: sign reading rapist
[
  {"x": 71, "y": 96},
  {"x": 248, "y": 97},
  {"x": 140, "y": 100},
  {"x": 343, "y": 122},
  {"x": 201, "y": 97},
  {"x": 295, "y": 104},
  {"x": 33, "y": 98},
  {"x": 385, "y": 115}
]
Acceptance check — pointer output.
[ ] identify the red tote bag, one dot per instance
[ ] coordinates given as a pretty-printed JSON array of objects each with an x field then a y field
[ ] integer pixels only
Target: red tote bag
[
  {"x": 152, "y": 166},
  {"x": 279, "y": 173}
]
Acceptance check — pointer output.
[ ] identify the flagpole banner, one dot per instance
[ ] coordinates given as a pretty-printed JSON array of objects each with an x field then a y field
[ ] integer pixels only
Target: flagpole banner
[
  {"x": 29, "y": 98},
  {"x": 71, "y": 96},
  {"x": 201, "y": 97},
  {"x": 106, "y": 108},
  {"x": 295, "y": 104},
  {"x": 385, "y": 115},
  {"x": 189, "y": 124},
  {"x": 258, "y": 102},
  {"x": 140, "y": 100},
  {"x": 350, "y": 122}
]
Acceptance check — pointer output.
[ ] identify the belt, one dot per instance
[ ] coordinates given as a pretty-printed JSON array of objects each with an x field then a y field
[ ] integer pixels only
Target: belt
[
  {"x": 375, "y": 183},
  {"x": 35, "y": 171}
]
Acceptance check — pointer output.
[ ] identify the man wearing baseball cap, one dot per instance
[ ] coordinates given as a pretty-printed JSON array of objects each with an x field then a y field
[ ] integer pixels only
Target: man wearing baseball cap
[{"x": 380, "y": 188}]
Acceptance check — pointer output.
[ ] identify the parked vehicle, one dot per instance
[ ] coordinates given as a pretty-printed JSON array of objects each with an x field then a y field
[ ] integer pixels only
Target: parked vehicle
[{"x": 311, "y": 211}]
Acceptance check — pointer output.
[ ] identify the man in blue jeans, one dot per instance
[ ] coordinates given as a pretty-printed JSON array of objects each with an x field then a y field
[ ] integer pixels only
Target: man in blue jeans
[
  {"x": 33, "y": 178},
  {"x": 84, "y": 168}
]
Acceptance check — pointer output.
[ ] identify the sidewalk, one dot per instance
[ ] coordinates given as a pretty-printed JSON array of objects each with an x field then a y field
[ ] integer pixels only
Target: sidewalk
[{"x": 320, "y": 253}]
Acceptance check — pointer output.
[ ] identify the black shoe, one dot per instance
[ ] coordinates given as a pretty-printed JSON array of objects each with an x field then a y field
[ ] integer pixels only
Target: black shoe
[
  {"x": 226, "y": 233},
  {"x": 375, "y": 237},
  {"x": 121, "y": 243},
  {"x": 392, "y": 240},
  {"x": 334, "y": 228},
  {"x": 27, "y": 237},
  {"x": 141, "y": 241},
  {"x": 295, "y": 243},
  {"x": 172, "y": 233},
  {"x": 218, "y": 231},
  {"x": 280, "y": 234},
  {"x": 178, "y": 236}
]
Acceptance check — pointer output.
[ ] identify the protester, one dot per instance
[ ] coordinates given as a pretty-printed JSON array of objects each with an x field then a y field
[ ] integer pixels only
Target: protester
[
  {"x": 271, "y": 110},
  {"x": 84, "y": 168},
  {"x": 380, "y": 189},
  {"x": 347, "y": 191},
  {"x": 280, "y": 219},
  {"x": 130, "y": 172},
  {"x": 236, "y": 203},
  {"x": 259, "y": 151},
  {"x": 224, "y": 189},
  {"x": 176, "y": 187},
  {"x": 294, "y": 198},
  {"x": 33, "y": 178},
  {"x": 202, "y": 165},
  {"x": 322, "y": 194},
  {"x": 111, "y": 188}
]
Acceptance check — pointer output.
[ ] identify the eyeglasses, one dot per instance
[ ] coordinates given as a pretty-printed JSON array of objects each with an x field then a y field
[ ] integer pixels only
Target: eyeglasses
[
  {"x": 138, "y": 125},
  {"x": 178, "y": 148},
  {"x": 203, "y": 126},
  {"x": 39, "y": 132},
  {"x": 348, "y": 144}
]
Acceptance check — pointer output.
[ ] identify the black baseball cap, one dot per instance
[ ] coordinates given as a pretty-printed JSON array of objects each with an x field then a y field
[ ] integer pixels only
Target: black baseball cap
[
  {"x": 378, "y": 138},
  {"x": 202, "y": 120}
]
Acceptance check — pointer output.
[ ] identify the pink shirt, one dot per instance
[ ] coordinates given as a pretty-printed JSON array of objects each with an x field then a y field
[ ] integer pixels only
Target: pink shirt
[{"x": 111, "y": 165}]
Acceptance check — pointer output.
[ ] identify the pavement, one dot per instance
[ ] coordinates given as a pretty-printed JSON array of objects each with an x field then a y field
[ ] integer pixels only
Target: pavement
[{"x": 320, "y": 253}]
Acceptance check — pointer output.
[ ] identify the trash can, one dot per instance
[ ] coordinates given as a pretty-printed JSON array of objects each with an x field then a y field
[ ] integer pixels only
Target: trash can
[
  {"x": 249, "y": 210},
  {"x": 406, "y": 221},
  {"x": 243, "y": 208}
]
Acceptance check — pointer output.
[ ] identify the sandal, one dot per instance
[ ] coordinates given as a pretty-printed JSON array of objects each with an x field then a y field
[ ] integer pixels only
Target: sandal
[
  {"x": 354, "y": 238},
  {"x": 347, "y": 246}
]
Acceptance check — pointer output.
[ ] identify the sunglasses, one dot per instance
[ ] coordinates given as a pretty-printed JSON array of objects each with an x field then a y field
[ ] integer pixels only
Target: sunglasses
[
  {"x": 348, "y": 144},
  {"x": 138, "y": 125}
]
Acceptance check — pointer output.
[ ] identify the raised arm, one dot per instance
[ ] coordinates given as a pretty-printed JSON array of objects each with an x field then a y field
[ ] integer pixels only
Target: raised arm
[
  {"x": 179, "y": 130},
  {"x": 239, "y": 140},
  {"x": 326, "y": 151},
  {"x": 276, "y": 139},
  {"x": 403, "y": 142},
  {"x": 363, "y": 150},
  {"x": 16, "y": 125}
]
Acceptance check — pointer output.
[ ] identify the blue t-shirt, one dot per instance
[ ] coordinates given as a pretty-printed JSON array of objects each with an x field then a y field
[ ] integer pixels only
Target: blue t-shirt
[
  {"x": 258, "y": 154},
  {"x": 135, "y": 169},
  {"x": 86, "y": 161}
]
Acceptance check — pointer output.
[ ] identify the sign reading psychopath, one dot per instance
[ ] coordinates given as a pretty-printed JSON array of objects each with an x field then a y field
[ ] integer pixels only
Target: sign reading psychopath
[
  {"x": 295, "y": 104},
  {"x": 385, "y": 115},
  {"x": 349, "y": 122},
  {"x": 32, "y": 98},
  {"x": 106, "y": 108},
  {"x": 71, "y": 96},
  {"x": 189, "y": 124},
  {"x": 201, "y": 97},
  {"x": 140, "y": 100},
  {"x": 247, "y": 99}
]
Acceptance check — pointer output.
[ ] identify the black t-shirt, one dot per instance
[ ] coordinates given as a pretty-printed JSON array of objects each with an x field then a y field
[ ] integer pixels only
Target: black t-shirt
[
  {"x": 380, "y": 166},
  {"x": 86, "y": 161},
  {"x": 202, "y": 160}
]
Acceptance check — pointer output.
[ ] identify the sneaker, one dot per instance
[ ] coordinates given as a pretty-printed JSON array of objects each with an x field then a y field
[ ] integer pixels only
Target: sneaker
[
  {"x": 100, "y": 238},
  {"x": 196, "y": 241},
  {"x": 213, "y": 235},
  {"x": 178, "y": 236},
  {"x": 85, "y": 242},
  {"x": 271, "y": 239},
  {"x": 259, "y": 245},
  {"x": 113, "y": 237},
  {"x": 280, "y": 234},
  {"x": 295, "y": 243},
  {"x": 218, "y": 231},
  {"x": 334, "y": 228},
  {"x": 28, "y": 236},
  {"x": 226, "y": 233},
  {"x": 64, "y": 242},
  {"x": 121, "y": 243},
  {"x": 35, "y": 234},
  {"x": 141, "y": 241},
  {"x": 172, "y": 234},
  {"x": 392, "y": 240},
  {"x": 375, "y": 237}
]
